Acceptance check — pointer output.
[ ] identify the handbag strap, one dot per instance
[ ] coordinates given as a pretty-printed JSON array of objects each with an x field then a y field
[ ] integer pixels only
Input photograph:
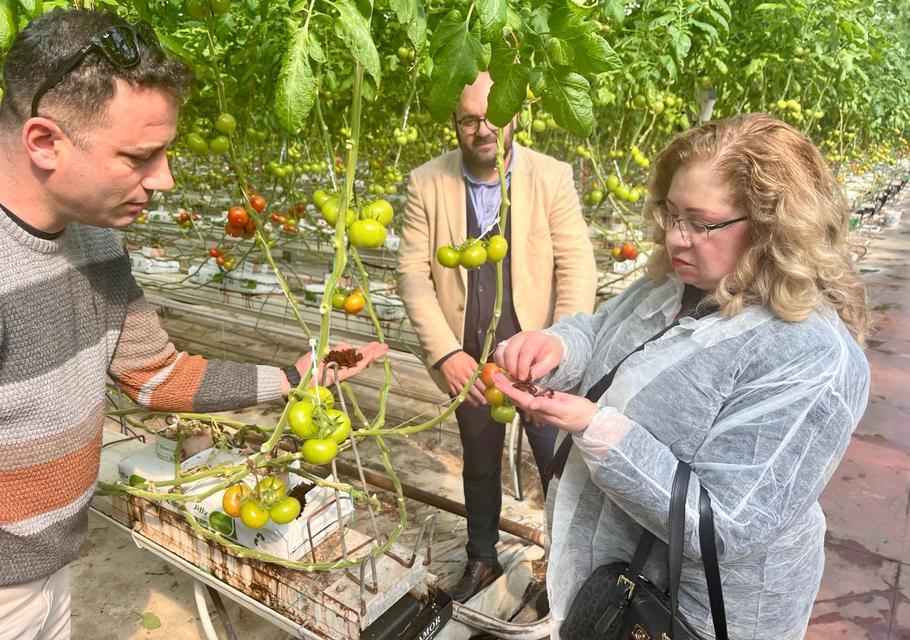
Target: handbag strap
[
  {"x": 677, "y": 534},
  {"x": 707, "y": 544},
  {"x": 709, "y": 558},
  {"x": 558, "y": 464}
]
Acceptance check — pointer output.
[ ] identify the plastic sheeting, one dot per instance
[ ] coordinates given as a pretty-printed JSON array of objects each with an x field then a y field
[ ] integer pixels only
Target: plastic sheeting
[{"x": 760, "y": 408}]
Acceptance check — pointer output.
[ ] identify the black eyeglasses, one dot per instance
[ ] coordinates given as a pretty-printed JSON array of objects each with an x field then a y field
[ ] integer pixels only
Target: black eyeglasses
[
  {"x": 119, "y": 44},
  {"x": 693, "y": 231},
  {"x": 471, "y": 124}
]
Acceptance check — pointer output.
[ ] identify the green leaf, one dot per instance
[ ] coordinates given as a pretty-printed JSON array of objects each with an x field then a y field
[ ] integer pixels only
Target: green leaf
[
  {"x": 404, "y": 9},
  {"x": 315, "y": 49},
  {"x": 593, "y": 54},
  {"x": 510, "y": 83},
  {"x": 457, "y": 59},
  {"x": 492, "y": 13},
  {"x": 33, "y": 8},
  {"x": 755, "y": 65},
  {"x": 682, "y": 44},
  {"x": 670, "y": 65},
  {"x": 296, "y": 91},
  {"x": 559, "y": 52},
  {"x": 663, "y": 20},
  {"x": 721, "y": 66},
  {"x": 149, "y": 621},
  {"x": 615, "y": 9},
  {"x": 417, "y": 30},
  {"x": 354, "y": 31},
  {"x": 769, "y": 6},
  {"x": 567, "y": 97},
  {"x": 724, "y": 8},
  {"x": 9, "y": 24},
  {"x": 707, "y": 28}
]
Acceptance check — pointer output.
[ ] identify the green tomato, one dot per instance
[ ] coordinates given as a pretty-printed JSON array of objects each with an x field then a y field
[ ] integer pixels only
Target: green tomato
[
  {"x": 330, "y": 210},
  {"x": 538, "y": 125},
  {"x": 472, "y": 256},
  {"x": 497, "y": 247},
  {"x": 320, "y": 396},
  {"x": 320, "y": 196},
  {"x": 338, "y": 299},
  {"x": 613, "y": 182},
  {"x": 137, "y": 481},
  {"x": 220, "y": 144},
  {"x": 198, "y": 9},
  {"x": 252, "y": 515},
  {"x": 222, "y": 523},
  {"x": 503, "y": 413},
  {"x": 342, "y": 425},
  {"x": 319, "y": 450},
  {"x": 226, "y": 124},
  {"x": 367, "y": 234},
  {"x": 220, "y": 7},
  {"x": 285, "y": 511},
  {"x": 300, "y": 417},
  {"x": 197, "y": 143},
  {"x": 269, "y": 490},
  {"x": 448, "y": 256},
  {"x": 380, "y": 210}
]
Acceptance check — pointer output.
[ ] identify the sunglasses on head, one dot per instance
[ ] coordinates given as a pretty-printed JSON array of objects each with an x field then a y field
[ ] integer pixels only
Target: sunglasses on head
[{"x": 119, "y": 44}]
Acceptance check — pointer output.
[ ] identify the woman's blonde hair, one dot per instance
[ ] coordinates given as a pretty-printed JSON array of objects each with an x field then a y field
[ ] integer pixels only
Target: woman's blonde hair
[{"x": 799, "y": 255}]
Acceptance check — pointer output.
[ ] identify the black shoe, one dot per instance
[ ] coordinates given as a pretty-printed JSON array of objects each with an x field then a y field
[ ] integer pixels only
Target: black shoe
[{"x": 477, "y": 576}]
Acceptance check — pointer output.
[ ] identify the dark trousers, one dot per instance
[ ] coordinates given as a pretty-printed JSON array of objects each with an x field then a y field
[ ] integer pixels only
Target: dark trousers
[{"x": 482, "y": 440}]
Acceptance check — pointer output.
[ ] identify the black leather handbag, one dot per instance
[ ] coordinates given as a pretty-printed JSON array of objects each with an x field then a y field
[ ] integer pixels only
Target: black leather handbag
[{"x": 618, "y": 603}]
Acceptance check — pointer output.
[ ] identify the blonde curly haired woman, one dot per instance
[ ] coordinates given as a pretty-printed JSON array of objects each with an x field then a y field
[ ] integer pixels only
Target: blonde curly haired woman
[{"x": 758, "y": 390}]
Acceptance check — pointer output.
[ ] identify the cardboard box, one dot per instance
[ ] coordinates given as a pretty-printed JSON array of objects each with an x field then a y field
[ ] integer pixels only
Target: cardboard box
[{"x": 291, "y": 541}]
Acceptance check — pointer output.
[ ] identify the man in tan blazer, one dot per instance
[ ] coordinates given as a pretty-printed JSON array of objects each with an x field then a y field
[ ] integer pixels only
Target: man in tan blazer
[{"x": 549, "y": 272}]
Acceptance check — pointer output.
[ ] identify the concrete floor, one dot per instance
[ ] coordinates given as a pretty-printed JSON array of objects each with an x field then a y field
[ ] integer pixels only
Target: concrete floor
[{"x": 865, "y": 592}]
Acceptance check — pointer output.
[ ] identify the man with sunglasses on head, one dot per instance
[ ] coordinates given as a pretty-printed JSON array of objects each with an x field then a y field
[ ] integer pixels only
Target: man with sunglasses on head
[
  {"x": 548, "y": 273},
  {"x": 89, "y": 108}
]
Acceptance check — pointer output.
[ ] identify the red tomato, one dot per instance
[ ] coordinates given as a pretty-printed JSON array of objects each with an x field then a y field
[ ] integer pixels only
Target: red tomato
[
  {"x": 238, "y": 216},
  {"x": 486, "y": 374},
  {"x": 258, "y": 203}
]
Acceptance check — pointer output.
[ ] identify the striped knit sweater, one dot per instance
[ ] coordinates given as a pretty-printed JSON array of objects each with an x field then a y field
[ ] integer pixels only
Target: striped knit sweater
[{"x": 70, "y": 316}]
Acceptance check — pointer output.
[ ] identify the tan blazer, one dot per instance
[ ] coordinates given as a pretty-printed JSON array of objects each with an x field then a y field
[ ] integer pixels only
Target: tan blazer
[{"x": 553, "y": 271}]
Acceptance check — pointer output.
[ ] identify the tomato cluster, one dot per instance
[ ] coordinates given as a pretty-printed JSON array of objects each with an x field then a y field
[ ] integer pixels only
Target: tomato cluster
[
  {"x": 366, "y": 226},
  {"x": 315, "y": 420},
  {"x": 624, "y": 251},
  {"x": 183, "y": 219},
  {"x": 352, "y": 303},
  {"x": 473, "y": 253},
  {"x": 501, "y": 409},
  {"x": 269, "y": 500},
  {"x": 222, "y": 258},
  {"x": 289, "y": 223}
]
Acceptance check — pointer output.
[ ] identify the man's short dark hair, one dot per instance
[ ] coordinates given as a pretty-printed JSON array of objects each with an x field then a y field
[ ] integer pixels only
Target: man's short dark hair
[{"x": 80, "y": 100}]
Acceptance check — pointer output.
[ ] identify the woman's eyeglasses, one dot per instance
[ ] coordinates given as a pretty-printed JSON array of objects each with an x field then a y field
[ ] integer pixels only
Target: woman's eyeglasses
[
  {"x": 693, "y": 231},
  {"x": 119, "y": 44}
]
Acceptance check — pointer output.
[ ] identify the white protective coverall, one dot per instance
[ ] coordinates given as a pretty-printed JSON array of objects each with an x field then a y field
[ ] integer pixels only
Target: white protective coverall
[{"x": 762, "y": 410}]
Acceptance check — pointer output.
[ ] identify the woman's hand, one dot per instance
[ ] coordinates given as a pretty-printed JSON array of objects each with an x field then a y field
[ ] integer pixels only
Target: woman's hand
[
  {"x": 370, "y": 352},
  {"x": 529, "y": 353},
  {"x": 564, "y": 410}
]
